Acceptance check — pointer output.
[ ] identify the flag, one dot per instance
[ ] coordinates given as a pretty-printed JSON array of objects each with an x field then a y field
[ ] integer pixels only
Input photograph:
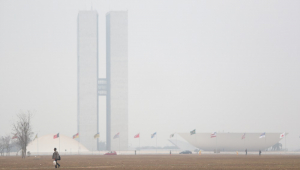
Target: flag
[
  {"x": 97, "y": 136},
  {"x": 137, "y": 135},
  {"x": 213, "y": 135},
  {"x": 262, "y": 135},
  {"x": 153, "y": 135},
  {"x": 15, "y": 136},
  {"x": 244, "y": 135},
  {"x": 282, "y": 135},
  {"x": 117, "y": 135},
  {"x": 56, "y": 136},
  {"x": 76, "y": 136},
  {"x": 193, "y": 132},
  {"x": 172, "y": 135},
  {"x": 35, "y": 137}
]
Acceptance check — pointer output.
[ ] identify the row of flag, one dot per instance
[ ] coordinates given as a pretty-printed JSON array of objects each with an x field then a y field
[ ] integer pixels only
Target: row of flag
[
  {"x": 214, "y": 134},
  {"x": 97, "y": 135},
  {"x": 264, "y": 135}
]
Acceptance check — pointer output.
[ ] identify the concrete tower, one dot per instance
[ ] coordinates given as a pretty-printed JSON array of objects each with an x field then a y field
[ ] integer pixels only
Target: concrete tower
[
  {"x": 87, "y": 78},
  {"x": 117, "y": 80}
]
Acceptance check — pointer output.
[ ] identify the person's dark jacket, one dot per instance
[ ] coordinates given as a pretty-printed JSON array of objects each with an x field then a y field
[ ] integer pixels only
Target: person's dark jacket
[{"x": 55, "y": 155}]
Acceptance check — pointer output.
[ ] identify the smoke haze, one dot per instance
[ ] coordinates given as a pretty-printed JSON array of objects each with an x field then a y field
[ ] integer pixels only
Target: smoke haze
[{"x": 229, "y": 66}]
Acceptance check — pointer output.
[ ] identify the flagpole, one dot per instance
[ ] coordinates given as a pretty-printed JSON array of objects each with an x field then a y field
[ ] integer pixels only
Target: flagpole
[
  {"x": 140, "y": 143},
  {"x": 216, "y": 144},
  {"x": 245, "y": 142},
  {"x": 156, "y": 144},
  {"x": 285, "y": 142},
  {"x": 265, "y": 140},
  {"x": 93, "y": 150},
  {"x": 37, "y": 145},
  {"x": 119, "y": 144},
  {"x": 196, "y": 139},
  {"x": 176, "y": 141},
  {"x": 59, "y": 143}
]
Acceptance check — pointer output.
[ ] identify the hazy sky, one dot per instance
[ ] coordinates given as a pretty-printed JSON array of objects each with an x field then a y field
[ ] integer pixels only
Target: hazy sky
[{"x": 228, "y": 66}]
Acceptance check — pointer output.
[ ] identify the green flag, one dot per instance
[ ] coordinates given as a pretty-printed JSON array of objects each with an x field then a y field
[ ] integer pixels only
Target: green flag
[{"x": 193, "y": 132}]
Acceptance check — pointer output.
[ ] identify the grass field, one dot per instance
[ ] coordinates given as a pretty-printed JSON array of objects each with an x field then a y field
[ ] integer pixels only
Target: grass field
[{"x": 156, "y": 162}]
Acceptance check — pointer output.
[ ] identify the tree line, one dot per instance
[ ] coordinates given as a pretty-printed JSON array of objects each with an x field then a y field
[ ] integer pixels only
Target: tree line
[{"x": 20, "y": 137}]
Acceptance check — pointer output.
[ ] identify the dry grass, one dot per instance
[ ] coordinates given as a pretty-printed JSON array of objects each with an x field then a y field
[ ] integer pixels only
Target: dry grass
[{"x": 156, "y": 162}]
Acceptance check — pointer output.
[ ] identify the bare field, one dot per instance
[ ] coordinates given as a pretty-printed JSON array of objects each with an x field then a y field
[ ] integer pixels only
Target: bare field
[{"x": 155, "y": 162}]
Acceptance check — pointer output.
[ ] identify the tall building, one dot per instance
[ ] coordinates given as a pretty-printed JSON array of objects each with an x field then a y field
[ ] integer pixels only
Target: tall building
[
  {"x": 87, "y": 78},
  {"x": 117, "y": 80},
  {"x": 114, "y": 86}
]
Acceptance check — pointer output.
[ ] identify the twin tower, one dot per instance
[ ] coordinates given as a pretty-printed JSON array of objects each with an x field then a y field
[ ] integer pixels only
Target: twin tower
[{"x": 114, "y": 86}]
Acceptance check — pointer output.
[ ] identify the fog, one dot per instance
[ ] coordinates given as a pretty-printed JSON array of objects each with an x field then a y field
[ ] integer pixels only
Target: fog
[{"x": 225, "y": 66}]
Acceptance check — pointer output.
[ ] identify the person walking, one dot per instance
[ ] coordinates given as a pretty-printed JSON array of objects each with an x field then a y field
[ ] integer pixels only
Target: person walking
[
  {"x": 56, "y": 157},
  {"x": 246, "y": 151}
]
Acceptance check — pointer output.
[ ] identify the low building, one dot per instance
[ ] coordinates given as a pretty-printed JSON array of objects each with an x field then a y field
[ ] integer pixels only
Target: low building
[
  {"x": 64, "y": 144},
  {"x": 231, "y": 141}
]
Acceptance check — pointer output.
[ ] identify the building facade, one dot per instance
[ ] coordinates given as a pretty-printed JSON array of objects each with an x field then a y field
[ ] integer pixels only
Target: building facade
[
  {"x": 87, "y": 78},
  {"x": 117, "y": 80}
]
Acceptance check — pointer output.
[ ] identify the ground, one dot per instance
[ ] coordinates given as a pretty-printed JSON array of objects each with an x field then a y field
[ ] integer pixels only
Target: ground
[{"x": 209, "y": 161}]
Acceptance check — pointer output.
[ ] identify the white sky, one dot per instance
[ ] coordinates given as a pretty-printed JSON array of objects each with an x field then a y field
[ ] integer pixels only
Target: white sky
[{"x": 228, "y": 66}]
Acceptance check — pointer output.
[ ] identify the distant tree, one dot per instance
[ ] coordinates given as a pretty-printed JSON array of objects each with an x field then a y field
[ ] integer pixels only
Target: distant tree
[
  {"x": 7, "y": 144},
  {"x": 23, "y": 131},
  {"x": 2, "y": 147},
  {"x": 14, "y": 146}
]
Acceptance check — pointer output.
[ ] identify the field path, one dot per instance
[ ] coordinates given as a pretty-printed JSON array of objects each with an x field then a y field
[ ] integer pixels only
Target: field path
[{"x": 135, "y": 162}]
